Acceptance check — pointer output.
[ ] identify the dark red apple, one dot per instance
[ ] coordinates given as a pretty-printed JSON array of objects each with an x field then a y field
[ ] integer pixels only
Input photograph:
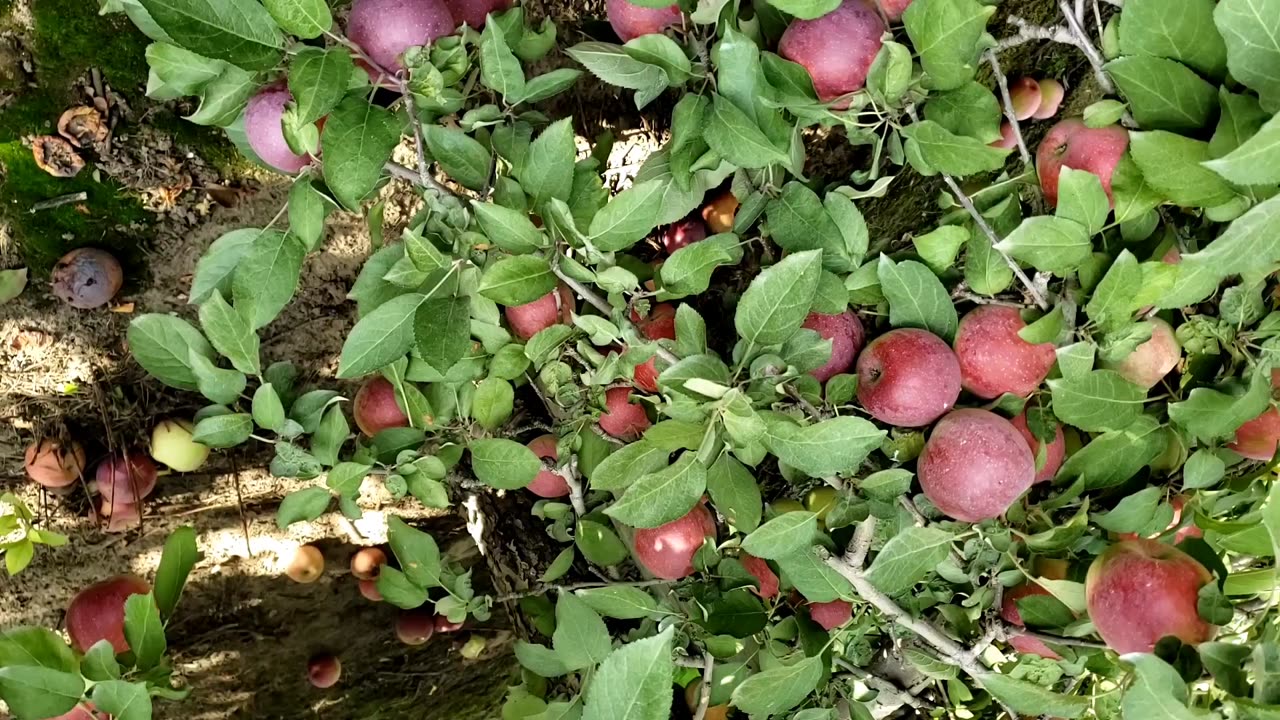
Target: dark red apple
[
  {"x": 908, "y": 378},
  {"x": 384, "y": 29},
  {"x": 1054, "y": 454},
  {"x": 846, "y": 335},
  {"x": 837, "y": 49},
  {"x": 376, "y": 409},
  {"x": 622, "y": 418},
  {"x": 667, "y": 551},
  {"x": 126, "y": 478},
  {"x": 975, "y": 464},
  {"x": 1139, "y": 591},
  {"x": 97, "y": 612},
  {"x": 993, "y": 359},
  {"x": 1073, "y": 144},
  {"x": 548, "y": 483}
]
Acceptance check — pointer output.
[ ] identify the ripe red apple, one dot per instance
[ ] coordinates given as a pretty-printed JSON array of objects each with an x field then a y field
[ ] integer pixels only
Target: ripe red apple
[
  {"x": 324, "y": 671},
  {"x": 763, "y": 574},
  {"x": 386, "y": 28},
  {"x": 306, "y": 566},
  {"x": 1009, "y": 611},
  {"x": 87, "y": 711},
  {"x": 667, "y": 551},
  {"x": 908, "y": 378},
  {"x": 367, "y": 563},
  {"x": 117, "y": 517},
  {"x": 262, "y": 127},
  {"x": 376, "y": 409},
  {"x": 1147, "y": 365},
  {"x": 659, "y": 325},
  {"x": 548, "y": 483},
  {"x": 415, "y": 627},
  {"x": 1139, "y": 591},
  {"x": 846, "y": 335},
  {"x": 622, "y": 418},
  {"x": 87, "y": 278},
  {"x": 993, "y": 359},
  {"x": 1024, "y": 95},
  {"x": 831, "y": 614},
  {"x": 127, "y": 478},
  {"x": 1258, "y": 438},
  {"x": 1053, "y": 455},
  {"x": 473, "y": 12},
  {"x": 1072, "y": 144},
  {"x": 975, "y": 465},
  {"x": 369, "y": 589},
  {"x": 1191, "y": 531},
  {"x": 53, "y": 463},
  {"x": 532, "y": 318},
  {"x": 893, "y": 9},
  {"x": 631, "y": 21},
  {"x": 837, "y": 49},
  {"x": 1008, "y": 140},
  {"x": 97, "y": 612},
  {"x": 1051, "y": 95},
  {"x": 719, "y": 214},
  {"x": 684, "y": 233},
  {"x": 444, "y": 626}
]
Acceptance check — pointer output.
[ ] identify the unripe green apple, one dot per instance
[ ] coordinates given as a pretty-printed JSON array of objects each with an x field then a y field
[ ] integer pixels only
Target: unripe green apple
[{"x": 172, "y": 445}]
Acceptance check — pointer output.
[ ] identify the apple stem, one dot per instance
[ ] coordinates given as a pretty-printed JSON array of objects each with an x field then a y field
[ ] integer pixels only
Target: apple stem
[
  {"x": 1003, "y": 83},
  {"x": 704, "y": 694},
  {"x": 603, "y": 306},
  {"x": 416, "y": 122}
]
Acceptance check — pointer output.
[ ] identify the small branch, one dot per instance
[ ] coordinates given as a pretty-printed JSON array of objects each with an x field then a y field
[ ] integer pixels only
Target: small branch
[
  {"x": 570, "y": 474},
  {"x": 1028, "y": 32},
  {"x": 881, "y": 685},
  {"x": 59, "y": 201},
  {"x": 861, "y": 543},
  {"x": 423, "y": 175},
  {"x": 395, "y": 169},
  {"x": 602, "y": 305},
  {"x": 1054, "y": 639},
  {"x": 1086, "y": 46},
  {"x": 704, "y": 695},
  {"x": 808, "y": 407},
  {"x": 544, "y": 589},
  {"x": 1010, "y": 115}
]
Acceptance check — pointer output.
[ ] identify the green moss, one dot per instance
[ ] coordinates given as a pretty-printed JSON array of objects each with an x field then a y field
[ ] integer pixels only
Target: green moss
[{"x": 210, "y": 143}]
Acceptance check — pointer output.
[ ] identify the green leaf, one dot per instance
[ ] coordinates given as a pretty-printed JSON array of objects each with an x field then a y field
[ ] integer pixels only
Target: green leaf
[
  {"x": 1104, "y": 113},
  {"x": 1172, "y": 164},
  {"x": 1112, "y": 303},
  {"x": 1030, "y": 699},
  {"x": 357, "y": 141},
  {"x": 628, "y": 217},
  {"x": 1252, "y": 35},
  {"x": 517, "y": 280},
  {"x": 1134, "y": 513},
  {"x": 241, "y": 32},
  {"x": 784, "y": 535},
  {"x": 663, "y": 496},
  {"x": 837, "y": 445},
  {"x": 737, "y": 138},
  {"x": 735, "y": 493},
  {"x": 303, "y": 505},
  {"x": 599, "y": 544},
  {"x": 971, "y": 110},
  {"x": 939, "y": 248},
  {"x": 612, "y": 64},
  {"x": 1163, "y": 94},
  {"x": 547, "y": 170},
  {"x": 1255, "y": 161},
  {"x": 463, "y": 157},
  {"x": 223, "y": 99},
  {"x": 318, "y": 78},
  {"x": 417, "y": 553},
  {"x": 1251, "y": 241},
  {"x": 267, "y": 277},
  {"x": 162, "y": 345},
  {"x": 500, "y": 69},
  {"x": 778, "y": 299},
  {"x": 539, "y": 660},
  {"x": 33, "y": 693},
  {"x": 504, "y": 464},
  {"x": 223, "y": 431},
  {"x": 144, "y": 630},
  {"x": 1096, "y": 401},
  {"x": 806, "y": 9},
  {"x": 443, "y": 331},
  {"x": 304, "y": 18},
  {"x": 181, "y": 70},
  {"x": 1211, "y": 415},
  {"x": 581, "y": 639},
  {"x": 798, "y": 221},
  {"x": 620, "y": 601},
  {"x": 945, "y": 35},
  {"x": 493, "y": 403},
  {"x": 36, "y": 647},
  {"x": 957, "y": 155},
  {"x": 1051, "y": 244},
  {"x": 813, "y": 578},
  {"x": 12, "y": 283},
  {"x": 217, "y": 384},
  {"x": 381, "y": 337},
  {"x": 124, "y": 700},
  {"x": 779, "y": 688},
  {"x": 688, "y": 271},
  {"x": 628, "y": 464},
  {"x": 985, "y": 270},
  {"x": 548, "y": 85},
  {"x": 1082, "y": 199},
  {"x": 216, "y": 268},
  {"x": 634, "y": 682},
  {"x": 917, "y": 298},
  {"x": 908, "y": 558},
  {"x": 396, "y": 589},
  {"x": 268, "y": 411},
  {"x": 99, "y": 663},
  {"x": 1157, "y": 691},
  {"x": 509, "y": 229},
  {"x": 1181, "y": 30},
  {"x": 230, "y": 334},
  {"x": 179, "y": 557},
  {"x": 661, "y": 51}
]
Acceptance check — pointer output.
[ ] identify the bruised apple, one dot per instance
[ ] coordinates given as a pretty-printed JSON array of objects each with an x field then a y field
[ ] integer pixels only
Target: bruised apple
[
  {"x": 831, "y": 614},
  {"x": 622, "y": 418},
  {"x": 53, "y": 463},
  {"x": 1009, "y": 611},
  {"x": 126, "y": 478},
  {"x": 265, "y": 131},
  {"x": 532, "y": 318},
  {"x": 548, "y": 483},
  {"x": 908, "y": 378},
  {"x": 993, "y": 359},
  {"x": 1054, "y": 454},
  {"x": 1073, "y": 144},
  {"x": 975, "y": 465},
  {"x": 1147, "y": 365},
  {"x": 384, "y": 29},
  {"x": 97, "y": 612},
  {"x": 87, "y": 278},
  {"x": 836, "y": 49},
  {"x": 667, "y": 551},
  {"x": 846, "y": 335},
  {"x": 630, "y": 21},
  {"x": 376, "y": 409},
  {"x": 764, "y": 575},
  {"x": 1139, "y": 591}
]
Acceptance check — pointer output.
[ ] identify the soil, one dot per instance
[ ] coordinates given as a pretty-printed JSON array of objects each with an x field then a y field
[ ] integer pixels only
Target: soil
[{"x": 158, "y": 196}]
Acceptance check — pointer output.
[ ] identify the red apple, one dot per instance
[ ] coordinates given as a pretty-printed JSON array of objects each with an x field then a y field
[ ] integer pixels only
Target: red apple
[
  {"x": 324, "y": 671},
  {"x": 548, "y": 483},
  {"x": 1147, "y": 365},
  {"x": 622, "y": 418},
  {"x": 1051, "y": 95},
  {"x": 684, "y": 233},
  {"x": 369, "y": 589},
  {"x": 763, "y": 574},
  {"x": 631, "y": 21},
  {"x": 262, "y": 127},
  {"x": 908, "y": 378},
  {"x": 87, "y": 711},
  {"x": 1072, "y": 144},
  {"x": 376, "y": 409},
  {"x": 1009, "y": 611},
  {"x": 118, "y": 517},
  {"x": 1008, "y": 140},
  {"x": 444, "y": 626},
  {"x": 384, "y": 29},
  {"x": 1024, "y": 95},
  {"x": 87, "y": 278},
  {"x": 415, "y": 627},
  {"x": 97, "y": 612},
  {"x": 1053, "y": 455},
  {"x": 532, "y": 318},
  {"x": 837, "y": 49},
  {"x": 975, "y": 465},
  {"x": 660, "y": 325},
  {"x": 1257, "y": 439},
  {"x": 127, "y": 478},
  {"x": 53, "y": 463},
  {"x": 473, "y": 12},
  {"x": 831, "y": 614},
  {"x": 667, "y": 551},
  {"x": 1139, "y": 591},
  {"x": 893, "y": 9},
  {"x": 367, "y": 563},
  {"x": 993, "y": 359},
  {"x": 846, "y": 336}
]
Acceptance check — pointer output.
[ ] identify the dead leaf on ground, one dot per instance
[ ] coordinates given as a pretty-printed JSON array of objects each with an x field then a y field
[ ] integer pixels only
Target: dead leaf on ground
[
  {"x": 82, "y": 126},
  {"x": 56, "y": 156}
]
